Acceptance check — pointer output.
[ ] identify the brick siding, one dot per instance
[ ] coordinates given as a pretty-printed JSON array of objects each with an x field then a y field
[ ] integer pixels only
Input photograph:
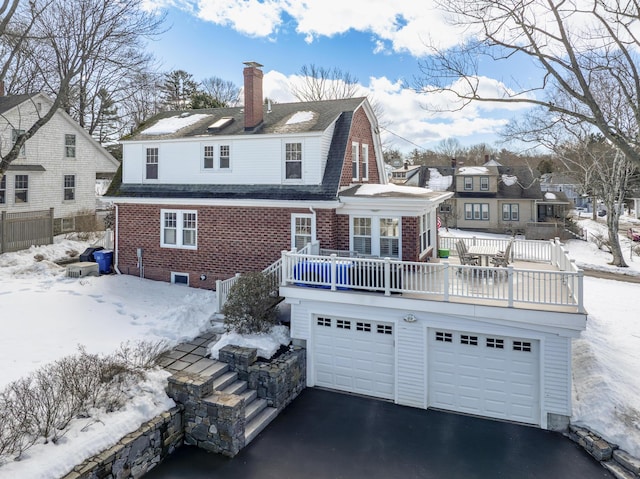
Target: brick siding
[{"x": 360, "y": 133}]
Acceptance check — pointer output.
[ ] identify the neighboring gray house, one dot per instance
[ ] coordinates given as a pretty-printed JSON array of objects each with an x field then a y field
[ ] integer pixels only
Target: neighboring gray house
[
  {"x": 496, "y": 198},
  {"x": 57, "y": 167}
]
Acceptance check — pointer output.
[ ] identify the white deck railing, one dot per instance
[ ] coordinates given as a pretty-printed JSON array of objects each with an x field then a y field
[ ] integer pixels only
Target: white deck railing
[
  {"x": 521, "y": 250},
  {"x": 274, "y": 271},
  {"x": 441, "y": 281}
]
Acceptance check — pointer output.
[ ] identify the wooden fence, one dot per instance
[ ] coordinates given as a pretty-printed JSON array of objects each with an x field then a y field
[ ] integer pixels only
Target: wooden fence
[{"x": 20, "y": 231}]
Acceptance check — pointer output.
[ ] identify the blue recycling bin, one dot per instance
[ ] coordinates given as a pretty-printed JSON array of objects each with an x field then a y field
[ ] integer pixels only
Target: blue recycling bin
[{"x": 104, "y": 259}]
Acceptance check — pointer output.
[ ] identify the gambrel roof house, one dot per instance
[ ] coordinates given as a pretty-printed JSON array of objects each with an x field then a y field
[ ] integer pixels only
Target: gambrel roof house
[
  {"x": 57, "y": 167},
  {"x": 205, "y": 194}
]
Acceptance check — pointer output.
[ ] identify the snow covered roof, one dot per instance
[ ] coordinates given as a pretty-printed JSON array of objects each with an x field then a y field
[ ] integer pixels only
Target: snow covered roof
[
  {"x": 509, "y": 180},
  {"x": 473, "y": 170},
  {"x": 173, "y": 124},
  {"x": 390, "y": 190},
  {"x": 438, "y": 181}
]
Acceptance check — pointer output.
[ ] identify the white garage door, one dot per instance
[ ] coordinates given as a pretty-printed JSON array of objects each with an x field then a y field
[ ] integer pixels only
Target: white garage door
[
  {"x": 354, "y": 356},
  {"x": 486, "y": 375}
]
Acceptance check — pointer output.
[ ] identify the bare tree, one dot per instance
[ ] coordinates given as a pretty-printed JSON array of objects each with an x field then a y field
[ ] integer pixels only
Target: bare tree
[
  {"x": 449, "y": 148},
  {"x": 574, "y": 45},
  {"x": 67, "y": 48},
  {"x": 319, "y": 83},
  {"x": 224, "y": 91}
]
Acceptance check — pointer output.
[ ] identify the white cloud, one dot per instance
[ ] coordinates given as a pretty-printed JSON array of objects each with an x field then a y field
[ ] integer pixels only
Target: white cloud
[
  {"x": 401, "y": 25},
  {"x": 409, "y": 114}
]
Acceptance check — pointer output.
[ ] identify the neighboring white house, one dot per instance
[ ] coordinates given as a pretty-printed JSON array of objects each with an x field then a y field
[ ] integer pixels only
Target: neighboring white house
[{"x": 56, "y": 168}]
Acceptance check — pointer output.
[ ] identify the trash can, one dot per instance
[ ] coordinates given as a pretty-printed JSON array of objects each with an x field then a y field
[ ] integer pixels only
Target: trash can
[
  {"x": 87, "y": 254},
  {"x": 443, "y": 253},
  {"x": 104, "y": 259}
]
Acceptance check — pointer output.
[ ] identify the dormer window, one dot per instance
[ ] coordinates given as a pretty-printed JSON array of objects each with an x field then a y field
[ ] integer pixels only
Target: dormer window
[
  {"x": 293, "y": 161},
  {"x": 152, "y": 164},
  {"x": 468, "y": 183},
  {"x": 484, "y": 183}
]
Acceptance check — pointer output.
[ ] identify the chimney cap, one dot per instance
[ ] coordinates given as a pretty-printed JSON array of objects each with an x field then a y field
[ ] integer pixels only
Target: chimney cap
[{"x": 252, "y": 64}]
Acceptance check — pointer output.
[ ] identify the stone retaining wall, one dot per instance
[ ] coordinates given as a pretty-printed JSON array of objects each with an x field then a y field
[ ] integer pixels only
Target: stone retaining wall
[
  {"x": 215, "y": 421},
  {"x": 137, "y": 452},
  {"x": 278, "y": 381},
  {"x": 620, "y": 463}
]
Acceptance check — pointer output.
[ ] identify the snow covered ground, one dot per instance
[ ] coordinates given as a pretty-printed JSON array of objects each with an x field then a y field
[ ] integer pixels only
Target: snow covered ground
[{"x": 46, "y": 315}]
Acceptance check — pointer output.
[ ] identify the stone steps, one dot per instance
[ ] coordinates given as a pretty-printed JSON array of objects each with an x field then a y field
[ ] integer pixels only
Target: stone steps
[
  {"x": 257, "y": 414},
  {"x": 225, "y": 379},
  {"x": 258, "y": 423}
]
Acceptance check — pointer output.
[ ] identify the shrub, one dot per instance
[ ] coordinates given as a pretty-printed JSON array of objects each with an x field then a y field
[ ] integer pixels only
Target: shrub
[
  {"x": 41, "y": 406},
  {"x": 251, "y": 305}
]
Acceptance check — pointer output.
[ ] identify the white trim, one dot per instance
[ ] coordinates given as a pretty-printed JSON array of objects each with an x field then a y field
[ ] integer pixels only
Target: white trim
[
  {"x": 375, "y": 232},
  {"x": 328, "y": 205},
  {"x": 179, "y": 228},
  {"x": 295, "y": 216},
  {"x": 364, "y": 160},
  {"x": 285, "y": 141},
  {"x": 355, "y": 148}
]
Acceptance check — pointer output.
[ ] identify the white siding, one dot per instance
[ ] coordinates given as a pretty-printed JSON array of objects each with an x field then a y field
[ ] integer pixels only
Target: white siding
[
  {"x": 46, "y": 148},
  {"x": 411, "y": 364},
  {"x": 254, "y": 160},
  {"x": 300, "y": 322},
  {"x": 411, "y": 343},
  {"x": 556, "y": 361}
]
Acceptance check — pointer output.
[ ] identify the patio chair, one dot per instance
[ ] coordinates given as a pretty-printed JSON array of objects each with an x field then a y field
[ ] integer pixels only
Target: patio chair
[
  {"x": 502, "y": 258},
  {"x": 465, "y": 258}
]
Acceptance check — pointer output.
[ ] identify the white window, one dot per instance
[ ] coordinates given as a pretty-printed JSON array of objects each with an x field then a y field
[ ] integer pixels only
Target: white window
[
  {"x": 355, "y": 159},
  {"x": 152, "y": 164},
  {"x": 484, "y": 183},
  {"x": 208, "y": 157},
  {"x": 302, "y": 230},
  {"x": 293, "y": 161},
  {"x": 365, "y": 162},
  {"x": 224, "y": 161},
  {"x": 425, "y": 232},
  {"x": 389, "y": 237},
  {"x": 70, "y": 146},
  {"x": 510, "y": 212},
  {"x": 476, "y": 211},
  {"x": 69, "y": 187},
  {"x": 376, "y": 236},
  {"x": 361, "y": 236},
  {"x": 179, "y": 229},
  {"x": 22, "y": 189},
  {"x": 468, "y": 182},
  {"x": 15, "y": 133}
]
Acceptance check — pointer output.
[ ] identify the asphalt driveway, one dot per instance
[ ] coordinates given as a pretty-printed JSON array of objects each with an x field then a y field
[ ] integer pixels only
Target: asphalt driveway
[{"x": 324, "y": 435}]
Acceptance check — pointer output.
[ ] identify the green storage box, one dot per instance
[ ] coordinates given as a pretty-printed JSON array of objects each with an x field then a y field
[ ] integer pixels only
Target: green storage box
[{"x": 443, "y": 253}]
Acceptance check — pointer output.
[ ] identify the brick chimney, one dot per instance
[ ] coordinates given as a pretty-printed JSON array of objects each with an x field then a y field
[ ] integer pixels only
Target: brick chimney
[{"x": 253, "y": 115}]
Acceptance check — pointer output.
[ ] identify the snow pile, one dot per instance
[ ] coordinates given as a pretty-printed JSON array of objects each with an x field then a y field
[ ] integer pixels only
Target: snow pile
[
  {"x": 172, "y": 124},
  {"x": 439, "y": 182},
  {"x": 300, "y": 117},
  {"x": 550, "y": 196},
  {"x": 473, "y": 170},
  {"x": 266, "y": 344},
  {"x": 509, "y": 180},
  {"x": 89, "y": 436},
  {"x": 374, "y": 190}
]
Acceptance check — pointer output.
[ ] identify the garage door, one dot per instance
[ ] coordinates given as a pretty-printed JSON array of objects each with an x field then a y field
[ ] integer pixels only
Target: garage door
[
  {"x": 494, "y": 376},
  {"x": 355, "y": 356}
]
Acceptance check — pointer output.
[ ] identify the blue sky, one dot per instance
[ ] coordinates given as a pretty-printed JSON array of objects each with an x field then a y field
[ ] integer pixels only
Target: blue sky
[{"x": 377, "y": 41}]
